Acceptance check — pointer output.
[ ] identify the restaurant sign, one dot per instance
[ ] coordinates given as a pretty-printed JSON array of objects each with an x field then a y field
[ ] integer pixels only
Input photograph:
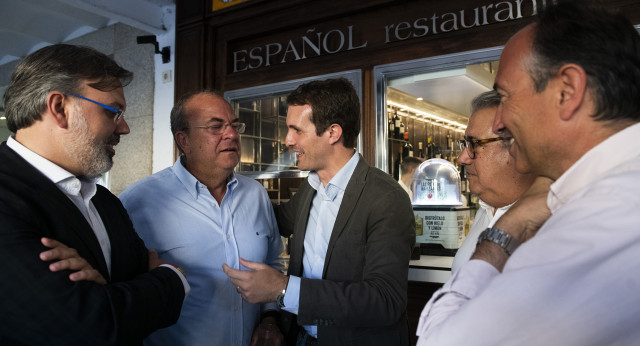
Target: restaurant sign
[{"x": 315, "y": 42}]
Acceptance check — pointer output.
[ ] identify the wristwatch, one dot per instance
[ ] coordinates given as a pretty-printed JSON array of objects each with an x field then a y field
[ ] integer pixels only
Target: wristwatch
[
  {"x": 280, "y": 299},
  {"x": 508, "y": 243}
]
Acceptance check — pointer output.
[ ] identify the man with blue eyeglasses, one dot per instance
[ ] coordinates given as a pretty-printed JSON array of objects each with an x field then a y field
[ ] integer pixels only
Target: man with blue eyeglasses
[
  {"x": 74, "y": 271},
  {"x": 198, "y": 214}
]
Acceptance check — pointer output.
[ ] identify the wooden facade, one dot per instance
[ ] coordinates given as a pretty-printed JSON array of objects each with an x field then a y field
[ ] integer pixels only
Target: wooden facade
[
  {"x": 321, "y": 37},
  {"x": 259, "y": 42}
]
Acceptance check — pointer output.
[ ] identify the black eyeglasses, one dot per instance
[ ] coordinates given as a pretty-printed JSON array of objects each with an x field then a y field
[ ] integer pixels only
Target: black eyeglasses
[
  {"x": 217, "y": 129},
  {"x": 117, "y": 113},
  {"x": 472, "y": 144}
]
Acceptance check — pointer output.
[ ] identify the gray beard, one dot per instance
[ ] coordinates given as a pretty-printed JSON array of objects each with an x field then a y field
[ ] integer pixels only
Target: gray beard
[{"x": 91, "y": 153}]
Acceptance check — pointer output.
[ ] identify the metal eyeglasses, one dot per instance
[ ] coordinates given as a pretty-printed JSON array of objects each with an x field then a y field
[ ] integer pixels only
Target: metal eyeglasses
[
  {"x": 472, "y": 144},
  {"x": 218, "y": 129},
  {"x": 117, "y": 113}
]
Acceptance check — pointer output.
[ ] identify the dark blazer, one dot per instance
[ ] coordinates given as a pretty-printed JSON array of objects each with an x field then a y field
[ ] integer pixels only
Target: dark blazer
[
  {"x": 362, "y": 297},
  {"x": 39, "y": 307}
]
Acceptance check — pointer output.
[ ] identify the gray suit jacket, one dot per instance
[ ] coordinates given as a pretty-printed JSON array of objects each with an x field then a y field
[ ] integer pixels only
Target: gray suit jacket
[{"x": 362, "y": 297}]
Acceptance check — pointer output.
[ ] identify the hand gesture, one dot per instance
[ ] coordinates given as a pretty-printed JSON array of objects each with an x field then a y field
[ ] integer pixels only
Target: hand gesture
[{"x": 259, "y": 284}]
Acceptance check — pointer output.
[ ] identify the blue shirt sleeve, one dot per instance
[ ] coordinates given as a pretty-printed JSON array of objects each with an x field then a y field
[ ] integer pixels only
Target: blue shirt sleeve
[{"x": 292, "y": 296}]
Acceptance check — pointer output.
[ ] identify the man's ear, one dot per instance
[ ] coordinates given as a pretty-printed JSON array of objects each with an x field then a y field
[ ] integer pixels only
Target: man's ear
[
  {"x": 572, "y": 87},
  {"x": 181, "y": 140},
  {"x": 335, "y": 133},
  {"x": 58, "y": 106}
]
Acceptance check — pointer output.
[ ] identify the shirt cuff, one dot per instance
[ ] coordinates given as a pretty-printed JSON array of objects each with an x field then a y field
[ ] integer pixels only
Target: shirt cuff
[
  {"x": 270, "y": 306},
  {"x": 466, "y": 284},
  {"x": 472, "y": 278},
  {"x": 187, "y": 288},
  {"x": 292, "y": 295}
]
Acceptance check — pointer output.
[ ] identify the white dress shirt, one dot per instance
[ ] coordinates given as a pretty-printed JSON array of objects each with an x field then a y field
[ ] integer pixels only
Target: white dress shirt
[
  {"x": 79, "y": 191},
  {"x": 575, "y": 282},
  {"x": 485, "y": 217}
]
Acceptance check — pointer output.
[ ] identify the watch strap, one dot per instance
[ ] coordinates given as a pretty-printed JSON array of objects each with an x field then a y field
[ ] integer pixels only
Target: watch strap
[{"x": 507, "y": 242}]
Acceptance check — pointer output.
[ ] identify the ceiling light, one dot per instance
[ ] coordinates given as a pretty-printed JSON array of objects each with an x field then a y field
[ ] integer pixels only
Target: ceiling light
[{"x": 429, "y": 115}]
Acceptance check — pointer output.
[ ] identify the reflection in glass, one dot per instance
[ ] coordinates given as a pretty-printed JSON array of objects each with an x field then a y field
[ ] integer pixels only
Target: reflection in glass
[{"x": 263, "y": 143}]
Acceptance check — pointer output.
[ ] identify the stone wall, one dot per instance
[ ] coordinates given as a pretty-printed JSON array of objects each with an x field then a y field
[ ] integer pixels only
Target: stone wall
[{"x": 133, "y": 160}]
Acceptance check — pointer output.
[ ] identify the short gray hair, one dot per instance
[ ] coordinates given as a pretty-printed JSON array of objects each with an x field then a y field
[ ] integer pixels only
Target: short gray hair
[
  {"x": 59, "y": 67},
  {"x": 488, "y": 99}
]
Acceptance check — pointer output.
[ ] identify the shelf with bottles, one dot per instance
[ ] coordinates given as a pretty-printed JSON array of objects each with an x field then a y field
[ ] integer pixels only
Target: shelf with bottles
[
  {"x": 433, "y": 138},
  {"x": 421, "y": 139}
]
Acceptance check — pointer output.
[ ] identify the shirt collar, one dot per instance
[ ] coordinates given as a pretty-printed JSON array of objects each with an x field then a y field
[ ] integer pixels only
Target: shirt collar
[
  {"x": 491, "y": 210},
  {"x": 338, "y": 182},
  {"x": 596, "y": 163},
  {"x": 52, "y": 171},
  {"x": 66, "y": 181},
  {"x": 193, "y": 186}
]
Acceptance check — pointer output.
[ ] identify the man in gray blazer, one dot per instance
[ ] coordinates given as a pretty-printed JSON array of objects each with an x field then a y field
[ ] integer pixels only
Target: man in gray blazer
[{"x": 353, "y": 232}]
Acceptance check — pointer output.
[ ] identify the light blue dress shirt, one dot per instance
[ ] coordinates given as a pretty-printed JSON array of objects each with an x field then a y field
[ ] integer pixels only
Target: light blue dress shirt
[
  {"x": 176, "y": 215},
  {"x": 322, "y": 217}
]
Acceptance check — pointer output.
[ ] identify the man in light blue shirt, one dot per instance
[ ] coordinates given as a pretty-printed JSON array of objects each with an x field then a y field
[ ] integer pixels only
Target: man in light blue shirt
[
  {"x": 353, "y": 232},
  {"x": 198, "y": 214}
]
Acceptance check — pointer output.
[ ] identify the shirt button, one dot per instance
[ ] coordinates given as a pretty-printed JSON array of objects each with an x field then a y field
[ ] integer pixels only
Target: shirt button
[{"x": 228, "y": 236}]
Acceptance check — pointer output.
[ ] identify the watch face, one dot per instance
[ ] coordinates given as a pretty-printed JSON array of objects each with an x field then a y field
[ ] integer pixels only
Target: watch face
[{"x": 280, "y": 300}]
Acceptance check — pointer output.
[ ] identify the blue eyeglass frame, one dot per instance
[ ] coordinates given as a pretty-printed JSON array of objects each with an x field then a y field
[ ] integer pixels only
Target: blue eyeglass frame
[{"x": 118, "y": 112}]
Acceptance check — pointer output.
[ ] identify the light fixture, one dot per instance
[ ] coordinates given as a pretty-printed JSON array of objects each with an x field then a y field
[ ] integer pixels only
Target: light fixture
[
  {"x": 429, "y": 115},
  {"x": 429, "y": 120},
  {"x": 165, "y": 52}
]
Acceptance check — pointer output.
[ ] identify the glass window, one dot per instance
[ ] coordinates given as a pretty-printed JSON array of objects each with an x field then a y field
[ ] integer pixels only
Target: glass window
[
  {"x": 264, "y": 110},
  {"x": 422, "y": 106},
  {"x": 264, "y": 154}
]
